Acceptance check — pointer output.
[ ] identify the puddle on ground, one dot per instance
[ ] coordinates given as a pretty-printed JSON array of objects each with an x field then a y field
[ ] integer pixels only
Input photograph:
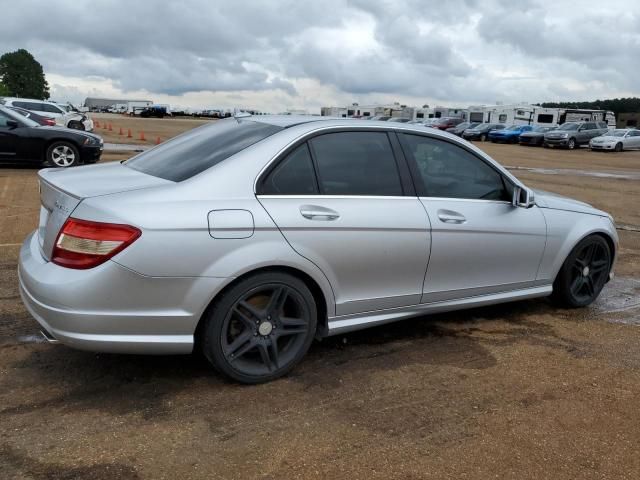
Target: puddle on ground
[
  {"x": 579, "y": 173},
  {"x": 621, "y": 295}
]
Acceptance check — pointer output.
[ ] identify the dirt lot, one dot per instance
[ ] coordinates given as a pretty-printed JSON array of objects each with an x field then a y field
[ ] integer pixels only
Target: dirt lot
[{"x": 519, "y": 391}]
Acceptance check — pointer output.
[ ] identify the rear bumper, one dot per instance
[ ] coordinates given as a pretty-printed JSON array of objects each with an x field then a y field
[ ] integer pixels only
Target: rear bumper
[{"x": 110, "y": 308}]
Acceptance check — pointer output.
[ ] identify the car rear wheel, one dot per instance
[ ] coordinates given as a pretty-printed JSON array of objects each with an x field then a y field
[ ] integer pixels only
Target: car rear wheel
[
  {"x": 618, "y": 147},
  {"x": 584, "y": 273},
  {"x": 261, "y": 328},
  {"x": 62, "y": 154},
  {"x": 571, "y": 144}
]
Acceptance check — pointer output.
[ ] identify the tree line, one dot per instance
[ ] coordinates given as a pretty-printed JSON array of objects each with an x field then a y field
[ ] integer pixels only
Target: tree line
[{"x": 616, "y": 105}]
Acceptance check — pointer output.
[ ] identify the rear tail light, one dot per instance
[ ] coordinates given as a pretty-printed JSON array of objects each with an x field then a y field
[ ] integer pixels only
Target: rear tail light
[
  {"x": 49, "y": 121},
  {"x": 82, "y": 244}
]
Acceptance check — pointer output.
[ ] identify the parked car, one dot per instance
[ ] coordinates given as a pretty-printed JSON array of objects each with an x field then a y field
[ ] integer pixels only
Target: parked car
[
  {"x": 535, "y": 136},
  {"x": 481, "y": 131},
  {"x": 24, "y": 141},
  {"x": 509, "y": 134},
  {"x": 77, "y": 121},
  {"x": 39, "y": 119},
  {"x": 617, "y": 140},
  {"x": 156, "y": 112},
  {"x": 380, "y": 118},
  {"x": 287, "y": 228},
  {"x": 446, "y": 122},
  {"x": 461, "y": 127},
  {"x": 399, "y": 120},
  {"x": 574, "y": 134},
  {"x": 425, "y": 122}
]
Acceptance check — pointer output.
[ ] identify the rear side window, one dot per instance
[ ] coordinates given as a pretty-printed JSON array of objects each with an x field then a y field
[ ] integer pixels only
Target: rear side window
[
  {"x": 292, "y": 176},
  {"x": 356, "y": 163},
  {"x": 590, "y": 126},
  {"x": 200, "y": 149},
  {"x": 448, "y": 171}
]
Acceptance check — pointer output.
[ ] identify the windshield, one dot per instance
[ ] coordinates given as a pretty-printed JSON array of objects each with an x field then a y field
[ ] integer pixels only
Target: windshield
[
  {"x": 616, "y": 133},
  {"x": 197, "y": 150},
  {"x": 513, "y": 128},
  {"x": 568, "y": 126},
  {"x": 22, "y": 120}
]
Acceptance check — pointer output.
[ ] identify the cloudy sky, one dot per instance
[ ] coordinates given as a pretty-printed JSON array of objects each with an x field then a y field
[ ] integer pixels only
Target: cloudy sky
[{"x": 296, "y": 54}]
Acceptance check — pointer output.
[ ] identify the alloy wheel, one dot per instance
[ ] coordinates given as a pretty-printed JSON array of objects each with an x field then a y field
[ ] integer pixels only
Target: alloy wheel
[
  {"x": 589, "y": 272},
  {"x": 63, "y": 156},
  {"x": 265, "y": 330}
]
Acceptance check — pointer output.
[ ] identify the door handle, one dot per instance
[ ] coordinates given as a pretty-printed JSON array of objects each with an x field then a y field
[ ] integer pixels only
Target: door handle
[
  {"x": 314, "y": 212},
  {"x": 448, "y": 216}
]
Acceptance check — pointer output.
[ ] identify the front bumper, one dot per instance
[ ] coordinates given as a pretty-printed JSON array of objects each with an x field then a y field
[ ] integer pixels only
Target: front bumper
[
  {"x": 557, "y": 142},
  {"x": 602, "y": 146},
  {"x": 111, "y": 308},
  {"x": 88, "y": 125},
  {"x": 91, "y": 153}
]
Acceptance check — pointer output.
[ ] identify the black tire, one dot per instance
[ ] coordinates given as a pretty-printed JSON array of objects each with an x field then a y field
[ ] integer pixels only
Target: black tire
[
  {"x": 583, "y": 274},
  {"x": 62, "y": 154},
  {"x": 545, "y": 145},
  {"x": 76, "y": 125},
  {"x": 260, "y": 328},
  {"x": 618, "y": 147},
  {"x": 571, "y": 144}
]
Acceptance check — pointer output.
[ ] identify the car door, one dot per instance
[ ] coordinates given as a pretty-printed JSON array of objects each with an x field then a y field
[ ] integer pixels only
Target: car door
[
  {"x": 480, "y": 243},
  {"x": 8, "y": 139},
  {"x": 344, "y": 201},
  {"x": 632, "y": 139}
]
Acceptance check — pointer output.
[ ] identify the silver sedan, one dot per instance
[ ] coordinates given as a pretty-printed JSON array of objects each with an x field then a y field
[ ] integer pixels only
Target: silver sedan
[
  {"x": 617, "y": 140},
  {"x": 249, "y": 237}
]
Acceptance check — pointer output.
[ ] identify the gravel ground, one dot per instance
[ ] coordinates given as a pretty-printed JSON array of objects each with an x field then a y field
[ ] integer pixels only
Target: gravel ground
[{"x": 521, "y": 390}]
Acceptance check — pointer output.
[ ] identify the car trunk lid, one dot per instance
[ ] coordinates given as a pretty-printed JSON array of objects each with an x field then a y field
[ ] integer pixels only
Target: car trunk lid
[{"x": 62, "y": 190}]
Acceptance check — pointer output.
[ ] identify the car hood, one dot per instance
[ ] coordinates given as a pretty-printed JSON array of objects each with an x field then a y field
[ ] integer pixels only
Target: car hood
[
  {"x": 558, "y": 202},
  {"x": 69, "y": 131},
  {"x": 607, "y": 138}
]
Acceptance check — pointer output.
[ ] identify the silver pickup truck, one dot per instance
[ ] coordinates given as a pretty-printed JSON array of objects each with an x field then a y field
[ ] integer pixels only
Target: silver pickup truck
[{"x": 574, "y": 134}]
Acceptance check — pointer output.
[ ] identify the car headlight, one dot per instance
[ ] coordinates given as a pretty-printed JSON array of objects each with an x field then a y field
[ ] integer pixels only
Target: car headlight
[
  {"x": 91, "y": 141},
  {"x": 564, "y": 135}
]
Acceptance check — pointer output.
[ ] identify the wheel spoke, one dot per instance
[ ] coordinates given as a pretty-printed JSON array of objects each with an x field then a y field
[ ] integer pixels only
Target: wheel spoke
[
  {"x": 255, "y": 314},
  {"x": 248, "y": 321},
  {"x": 277, "y": 300},
  {"x": 577, "y": 284},
  {"x": 241, "y": 345},
  {"x": 599, "y": 266},
  {"x": 588, "y": 282},
  {"x": 267, "y": 356},
  {"x": 589, "y": 253}
]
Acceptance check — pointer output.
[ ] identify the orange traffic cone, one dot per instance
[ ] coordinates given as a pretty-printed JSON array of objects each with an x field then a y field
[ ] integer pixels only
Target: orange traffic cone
[
  {"x": 142, "y": 135},
  {"x": 129, "y": 133},
  {"x": 110, "y": 128},
  {"x": 158, "y": 141},
  {"x": 97, "y": 124},
  {"x": 104, "y": 126},
  {"x": 120, "y": 132}
]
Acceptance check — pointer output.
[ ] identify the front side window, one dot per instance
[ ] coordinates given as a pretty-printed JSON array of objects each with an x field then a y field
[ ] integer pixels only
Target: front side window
[
  {"x": 292, "y": 176},
  {"x": 449, "y": 171},
  {"x": 356, "y": 163}
]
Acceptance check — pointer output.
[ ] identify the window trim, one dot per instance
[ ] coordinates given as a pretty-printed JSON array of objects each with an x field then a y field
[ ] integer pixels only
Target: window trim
[
  {"x": 281, "y": 161},
  {"x": 406, "y": 181},
  {"x": 417, "y": 178}
]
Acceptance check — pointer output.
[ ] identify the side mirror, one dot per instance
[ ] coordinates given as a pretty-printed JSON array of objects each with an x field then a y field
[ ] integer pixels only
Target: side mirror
[
  {"x": 522, "y": 197},
  {"x": 12, "y": 124}
]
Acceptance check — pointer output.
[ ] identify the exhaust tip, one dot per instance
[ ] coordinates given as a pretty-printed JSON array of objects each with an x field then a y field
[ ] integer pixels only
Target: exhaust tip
[{"x": 48, "y": 337}]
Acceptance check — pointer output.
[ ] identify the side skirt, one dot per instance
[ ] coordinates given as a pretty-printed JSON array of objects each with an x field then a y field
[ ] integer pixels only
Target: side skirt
[{"x": 348, "y": 323}]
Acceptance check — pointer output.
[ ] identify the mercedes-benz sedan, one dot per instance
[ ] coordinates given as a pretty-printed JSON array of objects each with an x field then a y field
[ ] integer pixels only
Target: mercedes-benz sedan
[{"x": 249, "y": 237}]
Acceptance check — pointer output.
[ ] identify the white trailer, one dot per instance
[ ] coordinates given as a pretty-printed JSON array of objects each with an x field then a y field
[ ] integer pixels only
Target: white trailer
[
  {"x": 134, "y": 108},
  {"x": 505, "y": 114}
]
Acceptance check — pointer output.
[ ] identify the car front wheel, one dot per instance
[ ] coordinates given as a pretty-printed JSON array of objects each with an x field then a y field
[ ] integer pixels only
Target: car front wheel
[
  {"x": 584, "y": 273},
  {"x": 62, "y": 154},
  {"x": 571, "y": 144},
  {"x": 618, "y": 147},
  {"x": 260, "y": 328}
]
